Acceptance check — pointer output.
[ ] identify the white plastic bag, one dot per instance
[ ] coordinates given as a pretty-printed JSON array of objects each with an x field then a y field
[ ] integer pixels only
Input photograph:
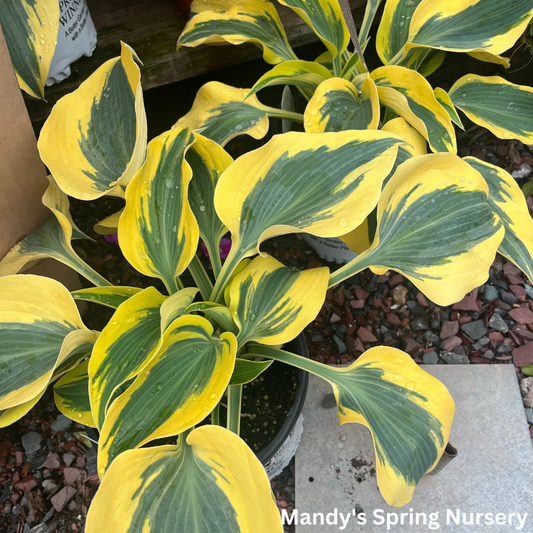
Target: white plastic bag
[{"x": 76, "y": 37}]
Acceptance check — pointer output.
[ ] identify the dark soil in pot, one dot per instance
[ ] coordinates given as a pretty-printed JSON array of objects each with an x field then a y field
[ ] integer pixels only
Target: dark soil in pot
[
  {"x": 272, "y": 404},
  {"x": 266, "y": 402}
]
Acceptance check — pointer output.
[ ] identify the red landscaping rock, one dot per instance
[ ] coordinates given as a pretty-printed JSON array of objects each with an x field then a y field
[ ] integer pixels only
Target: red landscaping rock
[
  {"x": 62, "y": 498},
  {"x": 449, "y": 328},
  {"x": 338, "y": 296},
  {"x": 393, "y": 319},
  {"x": 361, "y": 294},
  {"x": 335, "y": 318},
  {"x": 357, "y": 304},
  {"x": 366, "y": 335},
  {"x": 521, "y": 315},
  {"x": 479, "y": 361},
  {"x": 450, "y": 343},
  {"x": 514, "y": 279},
  {"x": 410, "y": 345},
  {"x": 495, "y": 336},
  {"x": 359, "y": 345},
  {"x": 52, "y": 462},
  {"x": 509, "y": 268},
  {"x": 70, "y": 476},
  {"x": 468, "y": 303},
  {"x": 27, "y": 484},
  {"x": 396, "y": 279},
  {"x": 523, "y": 355},
  {"x": 519, "y": 292},
  {"x": 422, "y": 299}
]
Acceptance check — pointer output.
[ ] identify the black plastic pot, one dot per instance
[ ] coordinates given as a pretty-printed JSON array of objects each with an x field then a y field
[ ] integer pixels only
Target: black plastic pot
[{"x": 299, "y": 347}]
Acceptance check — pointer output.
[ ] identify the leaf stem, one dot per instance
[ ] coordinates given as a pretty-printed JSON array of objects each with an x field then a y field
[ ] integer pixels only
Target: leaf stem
[
  {"x": 214, "y": 257},
  {"x": 215, "y": 415},
  {"x": 370, "y": 13},
  {"x": 280, "y": 113},
  {"x": 200, "y": 277},
  {"x": 356, "y": 265},
  {"x": 337, "y": 67},
  {"x": 313, "y": 367},
  {"x": 234, "y": 408},
  {"x": 229, "y": 266},
  {"x": 173, "y": 286},
  {"x": 82, "y": 268}
]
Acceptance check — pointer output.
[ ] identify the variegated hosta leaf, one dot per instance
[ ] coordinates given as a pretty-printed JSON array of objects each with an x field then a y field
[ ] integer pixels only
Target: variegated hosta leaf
[
  {"x": 489, "y": 26},
  {"x": 40, "y": 327},
  {"x": 108, "y": 296},
  {"x": 354, "y": 64},
  {"x": 71, "y": 395},
  {"x": 12, "y": 414},
  {"x": 218, "y": 312},
  {"x": 507, "y": 200},
  {"x": 361, "y": 237},
  {"x": 30, "y": 29},
  {"x": 271, "y": 303},
  {"x": 426, "y": 60},
  {"x": 408, "y": 412},
  {"x": 94, "y": 140},
  {"x": 368, "y": 19},
  {"x": 324, "y": 184},
  {"x": 52, "y": 239},
  {"x": 410, "y": 95},
  {"x": 325, "y": 18},
  {"x": 306, "y": 75},
  {"x": 325, "y": 60},
  {"x": 109, "y": 225},
  {"x": 124, "y": 347},
  {"x": 178, "y": 388},
  {"x": 246, "y": 371},
  {"x": 157, "y": 231},
  {"x": 228, "y": 21},
  {"x": 443, "y": 98},
  {"x": 393, "y": 29},
  {"x": 207, "y": 160},
  {"x": 436, "y": 227},
  {"x": 415, "y": 144},
  {"x": 211, "y": 481},
  {"x": 502, "y": 107},
  {"x": 176, "y": 305},
  {"x": 220, "y": 113},
  {"x": 340, "y": 105}
]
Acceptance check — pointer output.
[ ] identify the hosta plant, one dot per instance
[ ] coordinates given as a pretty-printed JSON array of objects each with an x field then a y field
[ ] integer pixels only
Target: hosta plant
[
  {"x": 342, "y": 94},
  {"x": 166, "y": 360}
]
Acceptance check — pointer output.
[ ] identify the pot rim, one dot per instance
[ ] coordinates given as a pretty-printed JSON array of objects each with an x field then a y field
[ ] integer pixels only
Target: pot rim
[{"x": 297, "y": 346}]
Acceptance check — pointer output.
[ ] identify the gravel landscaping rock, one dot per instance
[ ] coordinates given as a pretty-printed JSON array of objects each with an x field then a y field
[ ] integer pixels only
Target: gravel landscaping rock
[
  {"x": 449, "y": 329},
  {"x": 523, "y": 355},
  {"x": 475, "y": 330},
  {"x": 31, "y": 442},
  {"x": 526, "y": 388},
  {"x": 490, "y": 293},
  {"x": 432, "y": 338},
  {"x": 497, "y": 322},
  {"x": 453, "y": 358},
  {"x": 430, "y": 358},
  {"x": 61, "y": 424}
]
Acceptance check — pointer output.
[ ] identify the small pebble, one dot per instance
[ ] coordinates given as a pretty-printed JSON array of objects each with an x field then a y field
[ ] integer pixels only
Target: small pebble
[{"x": 431, "y": 358}]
